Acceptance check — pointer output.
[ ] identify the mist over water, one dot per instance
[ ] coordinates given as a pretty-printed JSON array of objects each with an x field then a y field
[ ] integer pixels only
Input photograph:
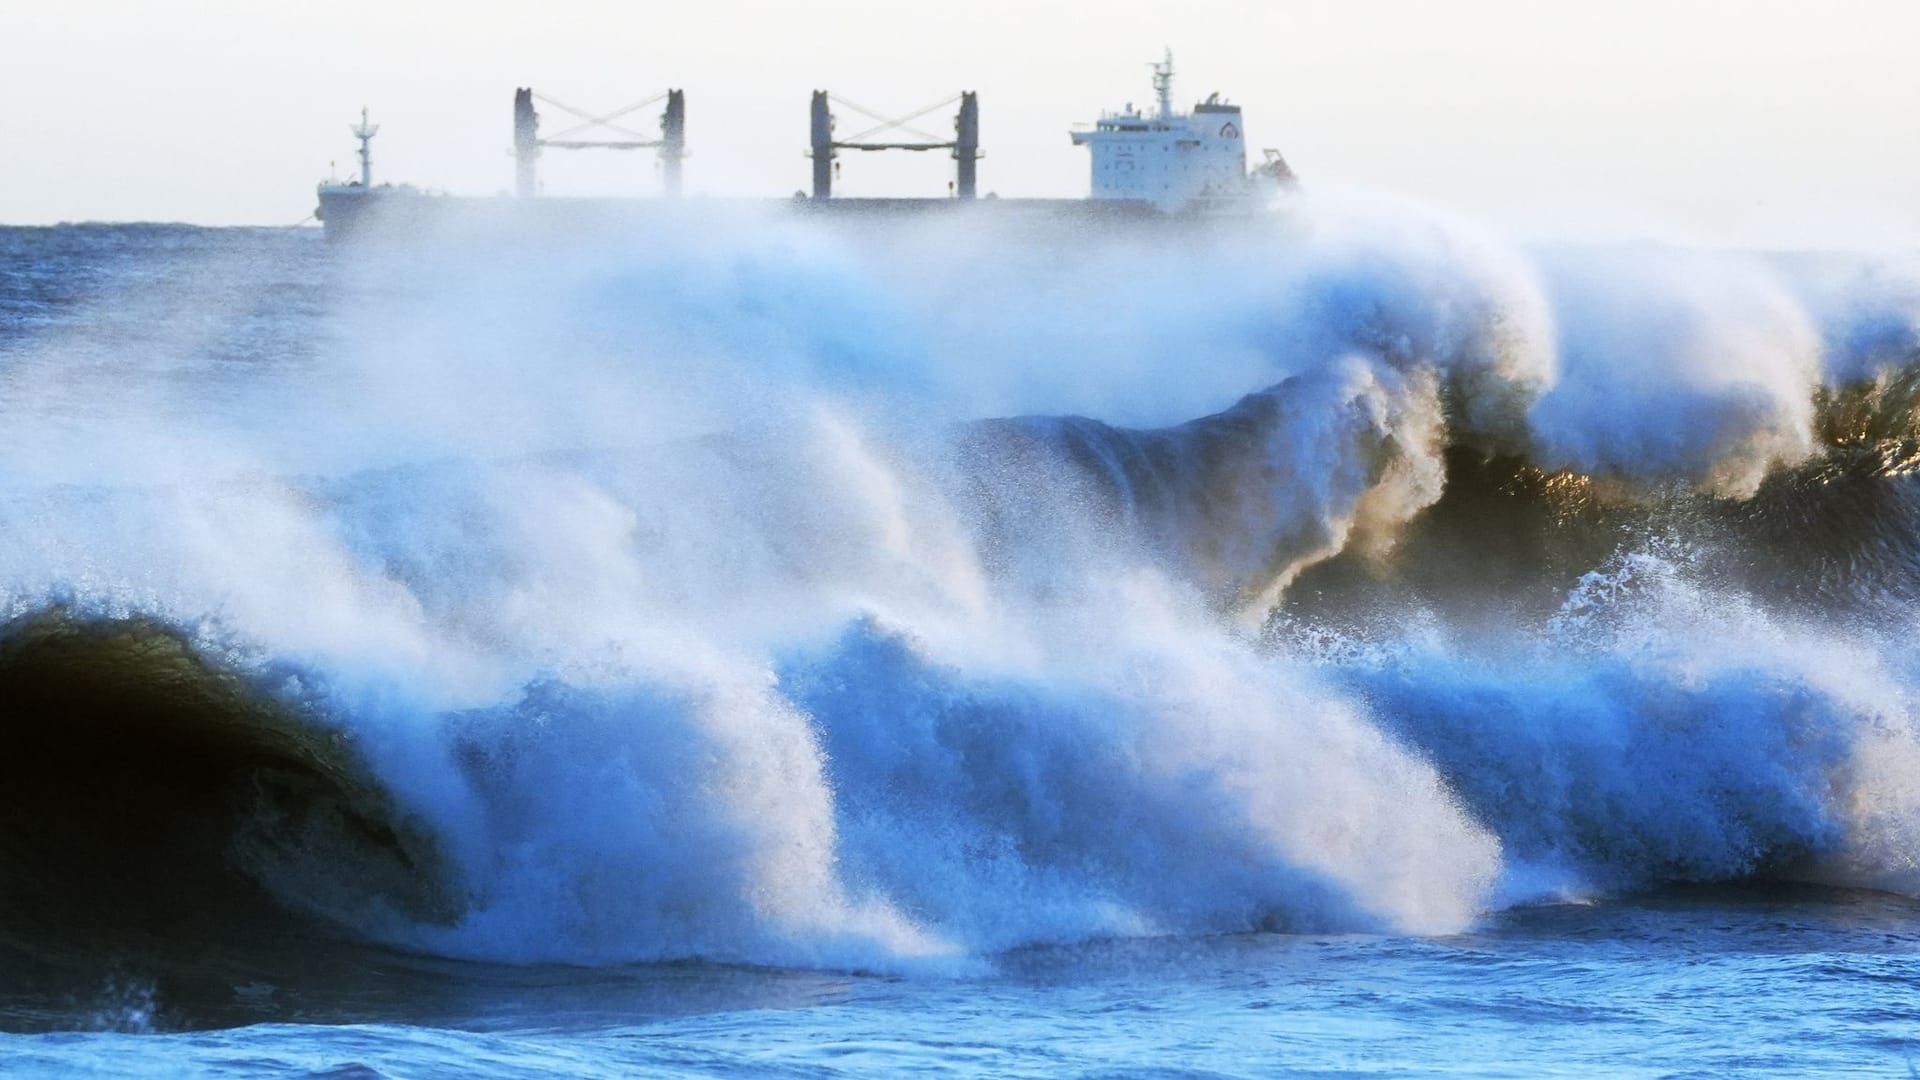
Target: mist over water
[{"x": 786, "y": 593}]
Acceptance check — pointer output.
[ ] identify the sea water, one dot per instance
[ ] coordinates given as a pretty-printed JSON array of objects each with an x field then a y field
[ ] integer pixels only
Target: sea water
[{"x": 1345, "y": 644}]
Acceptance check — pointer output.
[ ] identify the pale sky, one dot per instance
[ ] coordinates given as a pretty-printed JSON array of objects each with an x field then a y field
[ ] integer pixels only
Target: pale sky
[{"x": 1763, "y": 123}]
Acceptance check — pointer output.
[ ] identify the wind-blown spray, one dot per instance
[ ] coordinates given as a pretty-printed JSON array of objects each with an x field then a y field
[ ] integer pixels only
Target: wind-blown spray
[{"x": 763, "y": 595}]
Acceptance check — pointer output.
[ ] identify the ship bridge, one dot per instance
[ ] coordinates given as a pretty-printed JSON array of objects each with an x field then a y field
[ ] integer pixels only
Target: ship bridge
[{"x": 1176, "y": 161}]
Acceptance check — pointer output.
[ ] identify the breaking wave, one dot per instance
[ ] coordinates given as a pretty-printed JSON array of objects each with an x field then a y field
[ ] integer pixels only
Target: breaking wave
[{"x": 763, "y": 596}]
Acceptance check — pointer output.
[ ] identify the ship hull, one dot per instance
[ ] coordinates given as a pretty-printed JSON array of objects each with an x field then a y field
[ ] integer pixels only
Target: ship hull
[{"x": 352, "y": 213}]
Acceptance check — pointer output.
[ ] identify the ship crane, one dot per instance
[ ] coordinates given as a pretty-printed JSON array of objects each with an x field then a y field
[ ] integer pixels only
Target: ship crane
[
  {"x": 965, "y": 143},
  {"x": 604, "y": 134}
]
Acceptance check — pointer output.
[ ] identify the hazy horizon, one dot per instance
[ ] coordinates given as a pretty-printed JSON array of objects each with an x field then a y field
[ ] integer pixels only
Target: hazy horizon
[{"x": 1757, "y": 125}]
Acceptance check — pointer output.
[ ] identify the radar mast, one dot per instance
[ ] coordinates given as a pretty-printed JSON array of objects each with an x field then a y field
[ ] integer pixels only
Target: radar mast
[
  {"x": 365, "y": 132},
  {"x": 1163, "y": 85}
]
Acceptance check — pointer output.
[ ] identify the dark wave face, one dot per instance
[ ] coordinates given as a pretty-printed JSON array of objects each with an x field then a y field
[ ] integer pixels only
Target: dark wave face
[
  {"x": 766, "y": 598},
  {"x": 155, "y": 805},
  {"x": 1834, "y": 539},
  {"x": 1238, "y": 501},
  {"x": 1282, "y": 484}
]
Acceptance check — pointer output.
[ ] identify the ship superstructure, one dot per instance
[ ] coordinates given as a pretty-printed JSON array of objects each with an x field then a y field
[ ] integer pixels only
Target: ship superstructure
[{"x": 1176, "y": 161}]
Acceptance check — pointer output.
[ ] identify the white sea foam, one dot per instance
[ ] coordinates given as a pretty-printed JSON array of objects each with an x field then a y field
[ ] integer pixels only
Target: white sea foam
[{"x": 675, "y": 591}]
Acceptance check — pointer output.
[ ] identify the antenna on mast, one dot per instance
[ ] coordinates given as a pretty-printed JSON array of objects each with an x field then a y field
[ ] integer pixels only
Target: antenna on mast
[
  {"x": 365, "y": 133},
  {"x": 1163, "y": 85}
]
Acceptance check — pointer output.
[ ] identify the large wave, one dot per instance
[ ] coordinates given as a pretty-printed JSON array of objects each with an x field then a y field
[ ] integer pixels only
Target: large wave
[{"x": 770, "y": 594}]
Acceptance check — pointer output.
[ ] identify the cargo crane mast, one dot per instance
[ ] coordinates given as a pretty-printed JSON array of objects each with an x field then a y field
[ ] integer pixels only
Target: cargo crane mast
[
  {"x": 365, "y": 132},
  {"x": 527, "y": 141},
  {"x": 965, "y": 143}
]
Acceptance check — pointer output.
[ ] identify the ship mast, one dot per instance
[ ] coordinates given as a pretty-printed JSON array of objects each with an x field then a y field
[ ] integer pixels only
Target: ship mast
[
  {"x": 365, "y": 133},
  {"x": 1163, "y": 85}
]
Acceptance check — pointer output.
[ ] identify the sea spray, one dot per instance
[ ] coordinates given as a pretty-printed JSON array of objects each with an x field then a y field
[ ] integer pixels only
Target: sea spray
[
  {"x": 1679, "y": 367},
  {"x": 759, "y": 595}
]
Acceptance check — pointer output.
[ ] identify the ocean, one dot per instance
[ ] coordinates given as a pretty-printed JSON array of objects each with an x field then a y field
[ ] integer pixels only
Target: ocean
[{"x": 1349, "y": 644}]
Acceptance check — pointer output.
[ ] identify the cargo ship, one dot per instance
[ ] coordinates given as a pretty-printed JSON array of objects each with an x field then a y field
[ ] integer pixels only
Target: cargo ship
[{"x": 1161, "y": 164}]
